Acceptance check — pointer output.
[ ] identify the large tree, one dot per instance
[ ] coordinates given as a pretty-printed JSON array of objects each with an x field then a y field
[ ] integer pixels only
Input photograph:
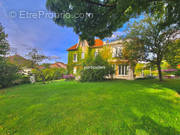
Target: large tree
[
  {"x": 4, "y": 46},
  {"x": 156, "y": 39},
  {"x": 108, "y": 15},
  {"x": 133, "y": 51},
  {"x": 8, "y": 72}
]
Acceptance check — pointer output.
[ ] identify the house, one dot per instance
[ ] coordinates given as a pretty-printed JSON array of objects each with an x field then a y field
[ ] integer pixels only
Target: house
[
  {"x": 109, "y": 51},
  {"x": 58, "y": 65}
]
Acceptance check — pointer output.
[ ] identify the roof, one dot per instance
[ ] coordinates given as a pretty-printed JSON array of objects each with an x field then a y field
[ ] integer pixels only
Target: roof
[
  {"x": 98, "y": 43},
  {"x": 74, "y": 47},
  {"x": 58, "y": 65}
]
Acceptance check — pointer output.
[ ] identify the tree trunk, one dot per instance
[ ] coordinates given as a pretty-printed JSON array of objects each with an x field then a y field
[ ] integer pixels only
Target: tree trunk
[
  {"x": 42, "y": 76},
  {"x": 159, "y": 71}
]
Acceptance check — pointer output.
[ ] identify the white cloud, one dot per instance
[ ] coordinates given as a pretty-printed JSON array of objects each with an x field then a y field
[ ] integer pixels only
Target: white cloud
[{"x": 116, "y": 35}]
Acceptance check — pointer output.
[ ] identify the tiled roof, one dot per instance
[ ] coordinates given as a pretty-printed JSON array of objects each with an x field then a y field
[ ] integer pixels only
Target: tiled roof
[
  {"x": 58, "y": 65},
  {"x": 98, "y": 43},
  {"x": 74, "y": 47}
]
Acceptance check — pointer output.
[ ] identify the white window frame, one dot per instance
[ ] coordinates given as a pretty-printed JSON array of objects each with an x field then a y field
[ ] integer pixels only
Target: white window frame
[
  {"x": 75, "y": 58},
  {"x": 123, "y": 68},
  {"x": 74, "y": 70},
  {"x": 96, "y": 53},
  {"x": 116, "y": 52},
  {"x": 82, "y": 55}
]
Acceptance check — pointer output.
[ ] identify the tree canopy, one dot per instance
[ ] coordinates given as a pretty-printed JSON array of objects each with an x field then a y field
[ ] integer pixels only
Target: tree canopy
[
  {"x": 108, "y": 15},
  {"x": 156, "y": 40},
  {"x": 4, "y": 46}
]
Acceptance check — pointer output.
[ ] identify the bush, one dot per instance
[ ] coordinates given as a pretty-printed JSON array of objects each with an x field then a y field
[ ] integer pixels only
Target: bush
[
  {"x": 49, "y": 74},
  {"x": 21, "y": 79},
  {"x": 177, "y": 73},
  {"x": 8, "y": 74},
  {"x": 147, "y": 78},
  {"x": 96, "y": 70}
]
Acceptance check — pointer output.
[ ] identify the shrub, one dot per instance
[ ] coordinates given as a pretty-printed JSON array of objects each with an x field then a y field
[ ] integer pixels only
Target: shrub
[
  {"x": 8, "y": 74},
  {"x": 21, "y": 79},
  {"x": 96, "y": 69},
  {"x": 177, "y": 73},
  {"x": 49, "y": 74},
  {"x": 147, "y": 78}
]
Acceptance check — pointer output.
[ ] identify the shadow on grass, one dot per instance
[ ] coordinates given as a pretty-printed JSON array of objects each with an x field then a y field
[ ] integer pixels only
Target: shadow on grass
[
  {"x": 173, "y": 84},
  {"x": 150, "y": 127}
]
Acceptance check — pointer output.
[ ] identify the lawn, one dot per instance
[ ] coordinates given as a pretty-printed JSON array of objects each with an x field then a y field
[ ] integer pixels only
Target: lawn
[{"x": 142, "y": 107}]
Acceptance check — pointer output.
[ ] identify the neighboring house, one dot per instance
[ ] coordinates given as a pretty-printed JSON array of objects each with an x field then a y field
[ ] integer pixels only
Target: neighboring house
[
  {"x": 58, "y": 65},
  {"x": 26, "y": 71},
  {"x": 109, "y": 51}
]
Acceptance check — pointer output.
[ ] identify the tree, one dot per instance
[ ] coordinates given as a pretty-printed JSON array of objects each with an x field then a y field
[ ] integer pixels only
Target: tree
[
  {"x": 133, "y": 51},
  {"x": 36, "y": 58},
  {"x": 173, "y": 57},
  {"x": 8, "y": 72},
  {"x": 4, "y": 46},
  {"x": 106, "y": 16},
  {"x": 156, "y": 39}
]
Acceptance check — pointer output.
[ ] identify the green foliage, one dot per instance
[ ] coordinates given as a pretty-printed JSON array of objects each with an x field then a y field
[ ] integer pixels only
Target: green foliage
[
  {"x": 4, "y": 46},
  {"x": 109, "y": 15},
  {"x": 8, "y": 74},
  {"x": 173, "y": 55},
  {"x": 21, "y": 79},
  {"x": 96, "y": 69},
  {"x": 154, "y": 38},
  {"x": 49, "y": 74},
  {"x": 177, "y": 73}
]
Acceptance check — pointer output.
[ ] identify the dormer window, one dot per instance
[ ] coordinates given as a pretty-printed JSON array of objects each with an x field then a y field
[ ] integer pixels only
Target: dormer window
[
  {"x": 117, "y": 52},
  {"x": 75, "y": 58},
  {"x": 82, "y": 55}
]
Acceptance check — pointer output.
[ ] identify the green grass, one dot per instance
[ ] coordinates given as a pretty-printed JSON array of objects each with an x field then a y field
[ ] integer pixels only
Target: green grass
[{"x": 143, "y": 107}]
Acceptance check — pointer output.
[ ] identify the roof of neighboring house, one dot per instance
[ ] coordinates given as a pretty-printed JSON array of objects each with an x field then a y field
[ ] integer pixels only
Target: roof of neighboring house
[
  {"x": 98, "y": 43},
  {"x": 179, "y": 66},
  {"x": 58, "y": 65}
]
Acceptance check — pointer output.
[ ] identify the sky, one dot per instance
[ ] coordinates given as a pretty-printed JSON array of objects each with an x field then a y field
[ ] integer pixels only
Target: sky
[{"x": 41, "y": 33}]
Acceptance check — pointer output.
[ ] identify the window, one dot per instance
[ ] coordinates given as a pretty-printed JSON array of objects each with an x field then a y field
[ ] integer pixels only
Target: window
[
  {"x": 75, "y": 58},
  {"x": 82, "y": 55},
  {"x": 83, "y": 43},
  {"x": 74, "y": 70},
  {"x": 117, "y": 52},
  {"x": 123, "y": 70},
  {"x": 96, "y": 53}
]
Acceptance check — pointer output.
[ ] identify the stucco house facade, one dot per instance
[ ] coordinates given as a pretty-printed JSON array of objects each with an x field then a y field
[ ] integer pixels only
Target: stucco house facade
[{"x": 111, "y": 51}]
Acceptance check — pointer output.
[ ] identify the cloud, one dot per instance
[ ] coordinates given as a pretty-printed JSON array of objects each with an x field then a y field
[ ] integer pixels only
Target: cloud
[{"x": 116, "y": 35}]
